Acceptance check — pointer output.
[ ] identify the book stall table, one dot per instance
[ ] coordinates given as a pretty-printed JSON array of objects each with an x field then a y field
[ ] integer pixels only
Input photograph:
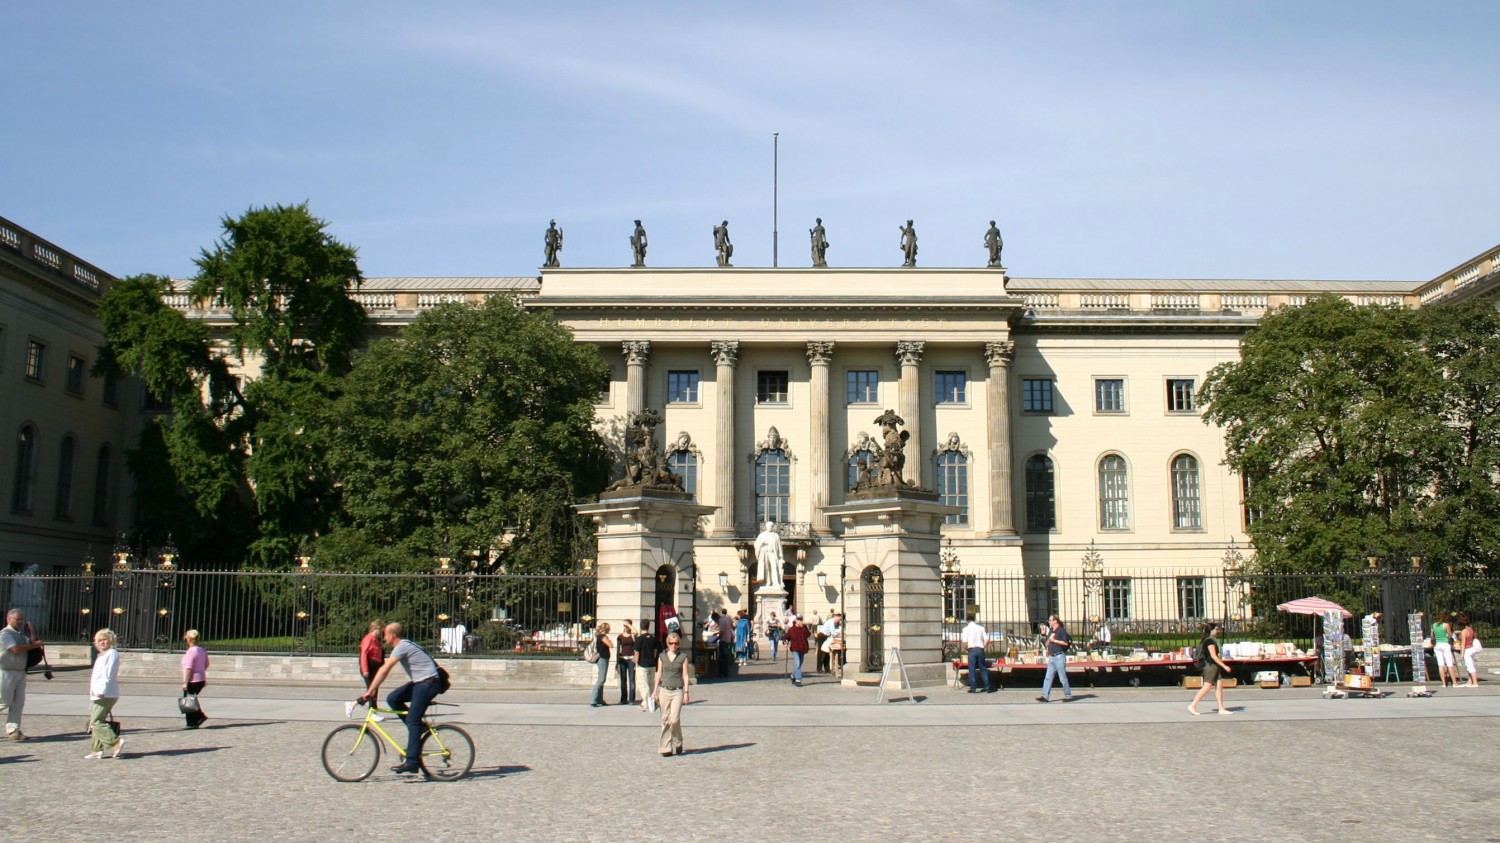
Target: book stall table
[{"x": 1131, "y": 670}]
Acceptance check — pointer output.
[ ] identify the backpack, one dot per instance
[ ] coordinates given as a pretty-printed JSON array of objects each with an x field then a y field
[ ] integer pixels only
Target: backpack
[
  {"x": 591, "y": 652},
  {"x": 444, "y": 680},
  {"x": 1200, "y": 655}
]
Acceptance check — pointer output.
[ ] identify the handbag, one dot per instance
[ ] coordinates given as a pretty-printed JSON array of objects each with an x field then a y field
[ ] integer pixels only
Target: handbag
[{"x": 188, "y": 704}]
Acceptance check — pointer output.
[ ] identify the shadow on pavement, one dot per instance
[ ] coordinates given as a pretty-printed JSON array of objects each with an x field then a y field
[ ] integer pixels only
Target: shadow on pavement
[
  {"x": 248, "y": 725},
  {"x": 171, "y": 752},
  {"x": 17, "y": 759},
  {"x": 497, "y": 772},
  {"x": 704, "y": 750}
]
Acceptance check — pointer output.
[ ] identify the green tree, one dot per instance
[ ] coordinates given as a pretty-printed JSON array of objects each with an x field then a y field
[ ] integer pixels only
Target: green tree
[
  {"x": 1335, "y": 415},
  {"x": 473, "y": 419},
  {"x": 237, "y": 467}
]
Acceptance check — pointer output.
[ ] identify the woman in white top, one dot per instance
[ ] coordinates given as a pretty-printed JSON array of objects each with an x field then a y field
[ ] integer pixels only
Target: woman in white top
[{"x": 104, "y": 691}]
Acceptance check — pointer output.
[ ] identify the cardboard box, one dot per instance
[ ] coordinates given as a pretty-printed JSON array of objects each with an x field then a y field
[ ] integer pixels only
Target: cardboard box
[
  {"x": 1192, "y": 681},
  {"x": 1231, "y": 682},
  {"x": 1269, "y": 684},
  {"x": 1301, "y": 681}
]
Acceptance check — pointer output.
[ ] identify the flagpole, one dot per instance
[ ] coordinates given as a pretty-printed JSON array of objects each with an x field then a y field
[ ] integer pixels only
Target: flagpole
[{"x": 775, "y": 186}]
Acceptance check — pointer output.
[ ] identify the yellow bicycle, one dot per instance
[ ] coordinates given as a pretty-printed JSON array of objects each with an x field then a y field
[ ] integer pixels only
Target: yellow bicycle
[{"x": 352, "y": 751}]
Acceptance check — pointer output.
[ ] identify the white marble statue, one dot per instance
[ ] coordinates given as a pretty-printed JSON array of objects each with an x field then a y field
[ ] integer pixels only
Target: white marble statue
[{"x": 768, "y": 559}]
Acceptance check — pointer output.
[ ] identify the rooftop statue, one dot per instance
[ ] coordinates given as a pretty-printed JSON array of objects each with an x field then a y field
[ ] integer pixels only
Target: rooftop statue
[
  {"x": 552, "y": 243},
  {"x": 993, "y": 244},
  {"x": 645, "y": 468},
  {"x": 893, "y": 455},
  {"x": 638, "y": 244},
  {"x": 909, "y": 243},
  {"x": 819, "y": 244},
  {"x": 722, "y": 246}
]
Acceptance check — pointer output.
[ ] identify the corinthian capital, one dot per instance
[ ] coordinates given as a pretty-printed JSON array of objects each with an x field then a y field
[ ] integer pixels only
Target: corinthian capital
[
  {"x": 909, "y": 352},
  {"x": 636, "y": 351},
  {"x": 820, "y": 352},
  {"x": 725, "y": 352},
  {"x": 999, "y": 353}
]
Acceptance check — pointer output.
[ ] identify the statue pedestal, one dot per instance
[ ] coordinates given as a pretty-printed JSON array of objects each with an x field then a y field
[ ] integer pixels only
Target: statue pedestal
[
  {"x": 893, "y": 594},
  {"x": 769, "y": 599},
  {"x": 638, "y": 533}
]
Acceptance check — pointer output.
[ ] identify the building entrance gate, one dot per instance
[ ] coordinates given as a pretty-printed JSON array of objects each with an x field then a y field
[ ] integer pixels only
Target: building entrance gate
[{"x": 873, "y": 590}]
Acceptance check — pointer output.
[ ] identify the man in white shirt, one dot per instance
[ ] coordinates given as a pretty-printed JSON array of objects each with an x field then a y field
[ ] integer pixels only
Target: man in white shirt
[{"x": 975, "y": 638}]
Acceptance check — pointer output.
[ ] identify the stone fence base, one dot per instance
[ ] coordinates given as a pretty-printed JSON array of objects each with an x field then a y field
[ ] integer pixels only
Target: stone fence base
[{"x": 340, "y": 670}]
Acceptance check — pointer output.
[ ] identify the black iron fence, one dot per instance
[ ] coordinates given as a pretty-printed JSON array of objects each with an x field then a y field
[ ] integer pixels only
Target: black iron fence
[
  {"x": 1162, "y": 611},
  {"x": 310, "y": 612}
]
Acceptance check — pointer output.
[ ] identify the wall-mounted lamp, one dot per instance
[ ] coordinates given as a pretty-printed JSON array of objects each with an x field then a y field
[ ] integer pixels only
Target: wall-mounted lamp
[
  {"x": 822, "y": 580},
  {"x": 723, "y": 580}
]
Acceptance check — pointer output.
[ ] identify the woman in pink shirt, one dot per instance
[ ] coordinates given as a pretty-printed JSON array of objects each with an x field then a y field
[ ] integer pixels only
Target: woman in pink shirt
[{"x": 194, "y": 676}]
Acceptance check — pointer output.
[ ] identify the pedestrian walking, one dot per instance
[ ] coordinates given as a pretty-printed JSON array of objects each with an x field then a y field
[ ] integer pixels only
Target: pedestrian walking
[
  {"x": 1469, "y": 647},
  {"x": 976, "y": 639},
  {"x": 773, "y": 634},
  {"x": 742, "y": 638},
  {"x": 625, "y": 663},
  {"x": 194, "y": 678},
  {"x": 15, "y": 645},
  {"x": 601, "y": 643},
  {"x": 671, "y": 694},
  {"x": 104, "y": 692},
  {"x": 1214, "y": 669},
  {"x": 1442, "y": 651},
  {"x": 1057, "y": 643},
  {"x": 647, "y": 656},
  {"x": 726, "y": 643},
  {"x": 796, "y": 641},
  {"x": 371, "y": 654}
]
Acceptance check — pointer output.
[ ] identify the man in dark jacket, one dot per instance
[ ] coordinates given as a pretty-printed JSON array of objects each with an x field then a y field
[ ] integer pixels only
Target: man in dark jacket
[{"x": 796, "y": 641}]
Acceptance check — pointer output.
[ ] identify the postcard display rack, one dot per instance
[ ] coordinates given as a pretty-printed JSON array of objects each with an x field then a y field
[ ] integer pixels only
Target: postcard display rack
[
  {"x": 1415, "y": 627},
  {"x": 1370, "y": 632},
  {"x": 1334, "y": 642}
]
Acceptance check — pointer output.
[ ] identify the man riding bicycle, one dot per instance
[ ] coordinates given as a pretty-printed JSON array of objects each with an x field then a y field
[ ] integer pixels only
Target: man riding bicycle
[{"x": 413, "y": 698}]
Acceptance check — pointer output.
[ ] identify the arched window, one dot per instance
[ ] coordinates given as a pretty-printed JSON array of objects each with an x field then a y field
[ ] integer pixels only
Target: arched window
[
  {"x": 24, "y": 489},
  {"x": 684, "y": 464},
  {"x": 1187, "y": 509},
  {"x": 953, "y": 484},
  {"x": 1114, "y": 494},
  {"x": 1041, "y": 497},
  {"x": 101, "y": 487},
  {"x": 65, "y": 460},
  {"x": 773, "y": 486}
]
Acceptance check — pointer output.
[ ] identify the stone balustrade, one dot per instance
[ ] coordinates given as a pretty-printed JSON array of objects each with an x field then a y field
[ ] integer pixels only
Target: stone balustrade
[{"x": 49, "y": 256}]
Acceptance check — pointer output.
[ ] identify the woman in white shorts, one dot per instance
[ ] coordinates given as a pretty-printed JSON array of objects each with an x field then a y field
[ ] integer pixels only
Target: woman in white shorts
[
  {"x": 1469, "y": 646},
  {"x": 1442, "y": 650}
]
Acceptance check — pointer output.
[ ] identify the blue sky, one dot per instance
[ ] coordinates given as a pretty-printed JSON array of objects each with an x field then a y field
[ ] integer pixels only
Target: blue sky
[{"x": 1345, "y": 140}]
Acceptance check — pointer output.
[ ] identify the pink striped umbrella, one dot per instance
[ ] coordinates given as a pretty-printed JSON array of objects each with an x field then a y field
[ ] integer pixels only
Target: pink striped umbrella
[{"x": 1313, "y": 606}]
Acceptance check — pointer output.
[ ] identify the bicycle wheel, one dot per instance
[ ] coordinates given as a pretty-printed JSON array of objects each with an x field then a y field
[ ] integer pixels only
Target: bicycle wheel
[
  {"x": 350, "y": 753},
  {"x": 447, "y": 753}
]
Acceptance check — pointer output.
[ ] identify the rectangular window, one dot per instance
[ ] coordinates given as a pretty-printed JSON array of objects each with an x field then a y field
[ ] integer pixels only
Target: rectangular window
[
  {"x": 1192, "y": 598},
  {"x": 682, "y": 387},
  {"x": 1180, "y": 395},
  {"x": 36, "y": 359},
  {"x": 153, "y": 403},
  {"x": 1041, "y": 598},
  {"x": 604, "y": 387},
  {"x": 771, "y": 387},
  {"x": 1117, "y": 599},
  {"x": 1036, "y": 395},
  {"x": 1109, "y": 395},
  {"x": 953, "y": 484},
  {"x": 864, "y": 386},
  {"x": 77, "y": 371},
  {"x": 950, "y": 387},
  {"x": 111, "y": 391}
]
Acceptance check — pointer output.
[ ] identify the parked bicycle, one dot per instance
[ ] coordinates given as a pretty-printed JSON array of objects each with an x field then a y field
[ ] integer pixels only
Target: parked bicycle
[{"x": 352, "y": 751}]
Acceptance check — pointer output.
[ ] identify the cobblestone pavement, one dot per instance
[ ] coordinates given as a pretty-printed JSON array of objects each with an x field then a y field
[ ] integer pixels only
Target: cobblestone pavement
[{"x": 1121, "y": 764}]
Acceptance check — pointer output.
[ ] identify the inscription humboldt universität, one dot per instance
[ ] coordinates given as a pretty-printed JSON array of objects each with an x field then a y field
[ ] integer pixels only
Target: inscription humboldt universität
[{"x": 800, "y": 322}]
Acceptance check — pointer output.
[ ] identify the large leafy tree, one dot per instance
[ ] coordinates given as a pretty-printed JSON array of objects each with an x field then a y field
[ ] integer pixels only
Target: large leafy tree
[
  {"x": 242, "y": 467},
  {"x": 1363, "y": 429},
  {"x": 472, "y": 420}
]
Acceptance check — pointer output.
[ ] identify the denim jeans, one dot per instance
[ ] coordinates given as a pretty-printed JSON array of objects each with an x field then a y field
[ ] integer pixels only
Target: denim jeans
[
  {"x": 1057, "y": 666},
  {"x": 726, "y": 657},
  {"x": 626, "y": 669},
  {"x": 978, "y": 667},
  {"x": 797, "y": 665},
  {"x": 775, "y": 643},
  {"x": 413, "y": 698},
  {"x": 602, "y": 668}
]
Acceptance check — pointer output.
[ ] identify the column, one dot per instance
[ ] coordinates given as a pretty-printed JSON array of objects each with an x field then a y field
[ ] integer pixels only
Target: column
[
  {"x": 820, "y": 355},
  {"x": 726, "y": 354},
  {"x": 909, "y": 405},
  {"x": 997, "y": 417},
  {"x": 637, "y": 352}
]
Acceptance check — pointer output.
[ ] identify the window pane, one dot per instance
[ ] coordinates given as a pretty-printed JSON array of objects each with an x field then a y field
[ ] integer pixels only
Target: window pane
[
  {"x": 771, "y": 387},
  {"x": 684, "y": 464},
  {"x": 773, "y": 486},
  {"x": 682, "y": 387},
  {"x": 36, "y": 357},
  {"x": 1117, "y": 599},
  {"x": 1114, "y": 500},
  {"x": 950, "y": 387},
  {"x": 1109, "y": 395},
  {"x": 1041, "y": 598},
  {"x": 862, "y": 464},
  {"x": 25, "y": 479},
  {"x": 1186, "y": 507},
  {"x": 953, "y": 484},
  {"x": 1036, "y": 395},
  {"x": 1180, "y": 395},
  {"x": 1041, "y": 504},
  {"x": 64, "y": 507},
  {"x": 101, "y": 488},
  {"x": 863, "y": 386},
  {"x": 77, "y": 369},
  {"x": 1192, "y": 598}
]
